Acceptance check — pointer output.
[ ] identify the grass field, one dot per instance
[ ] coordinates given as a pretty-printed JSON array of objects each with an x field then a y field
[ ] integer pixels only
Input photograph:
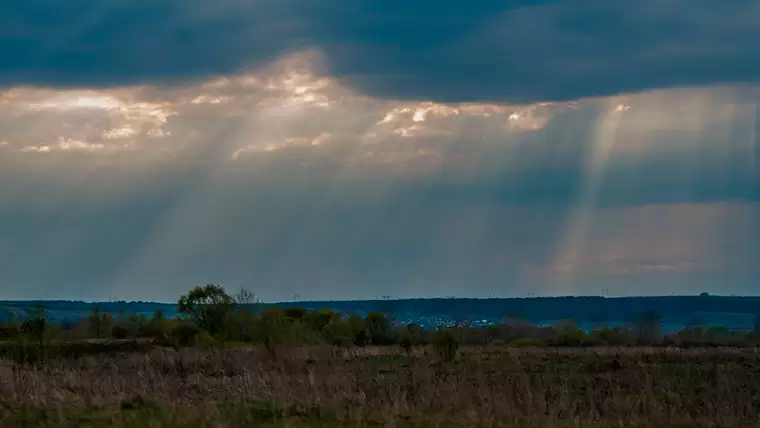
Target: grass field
[{"x": 368, "y": 387}]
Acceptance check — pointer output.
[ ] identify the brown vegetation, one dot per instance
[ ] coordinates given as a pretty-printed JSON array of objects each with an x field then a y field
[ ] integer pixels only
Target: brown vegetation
[{"x": 385, "y": 386}]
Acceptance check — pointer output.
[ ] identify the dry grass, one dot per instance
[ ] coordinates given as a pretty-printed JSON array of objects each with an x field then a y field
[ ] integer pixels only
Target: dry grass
[{"x": 382, "y": 387}]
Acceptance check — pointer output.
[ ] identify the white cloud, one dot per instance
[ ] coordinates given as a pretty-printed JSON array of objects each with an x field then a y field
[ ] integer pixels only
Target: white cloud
[
  {"x": 64, "y": 145},
  {"x": 119, "y": 133}
]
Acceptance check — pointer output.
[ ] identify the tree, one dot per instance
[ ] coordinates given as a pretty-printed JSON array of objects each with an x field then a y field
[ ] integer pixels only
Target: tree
[
  {"x": 36, "y": 325},
  {"x": 246, "y": 298},
  {"x": 95, "y": 322},
  {"x": 157, "y": 326},
  {"x": 446, "y": 343},
  {"x": 379, "y": 329},
  {"x": 649, "y": 327},
  {"x": 207, "y": 306},
  {"x": 319, "y": 319},
  {"x": 405, "y": 339},
  {"x": 273, "y": 329}
]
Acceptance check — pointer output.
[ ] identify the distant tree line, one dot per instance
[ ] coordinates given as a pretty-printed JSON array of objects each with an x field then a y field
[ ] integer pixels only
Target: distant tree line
[{"x": 211, "y": 317}]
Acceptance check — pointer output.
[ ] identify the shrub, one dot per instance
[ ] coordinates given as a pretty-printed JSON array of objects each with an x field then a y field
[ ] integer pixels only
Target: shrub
[
  {"x": 338, "y": 332},
  {"x": 203, "y": 340},
  {"x": 272, "y": 329},
  {"x": 405, "y": 339},
  {"x": 26, "y": 351},
  {"x": 119, "y": 332},
  {"x": 527, "y": 342},
  {"x": 498, "y": 343},
  {"x": 184, "y": 334},
  {"x": 446, "y": 343},
  {"x": 569, "y": 337},
  {"x": 379, "y": 329}
]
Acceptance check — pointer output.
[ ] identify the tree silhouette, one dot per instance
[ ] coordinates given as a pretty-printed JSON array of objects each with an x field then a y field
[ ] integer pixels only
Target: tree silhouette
[{"x": 207, "y": 306}]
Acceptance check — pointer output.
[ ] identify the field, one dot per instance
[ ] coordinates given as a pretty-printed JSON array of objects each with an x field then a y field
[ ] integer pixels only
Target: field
[{"x": 368, "y": 387}]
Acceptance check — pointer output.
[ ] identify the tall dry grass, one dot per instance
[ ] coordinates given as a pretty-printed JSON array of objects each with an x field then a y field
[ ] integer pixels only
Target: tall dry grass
[{"x": 486, "y": 387}]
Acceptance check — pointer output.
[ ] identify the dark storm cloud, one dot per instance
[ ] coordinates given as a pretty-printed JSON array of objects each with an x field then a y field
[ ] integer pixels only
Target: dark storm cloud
[{"x": 442, "y": 50}]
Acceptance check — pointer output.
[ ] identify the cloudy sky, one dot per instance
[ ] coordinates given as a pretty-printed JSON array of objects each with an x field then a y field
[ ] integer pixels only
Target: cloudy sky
[{"x": 349, "y": 150}]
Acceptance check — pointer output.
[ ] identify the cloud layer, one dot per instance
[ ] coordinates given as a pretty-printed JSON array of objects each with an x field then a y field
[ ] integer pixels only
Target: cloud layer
[
  {"x": 488, "y": 51},
  {"x": 291, "y": 183}
]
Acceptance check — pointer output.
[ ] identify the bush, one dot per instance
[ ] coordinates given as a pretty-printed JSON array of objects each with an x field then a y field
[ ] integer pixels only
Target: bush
[
  {"x": 204, "y": 340},
  {"x": 613, "y": 337},
  {"x": 446, "y": 343},
  {"x": 339, "y": 333},
  {"x": 405, "y": 339},
  {"x": 26, "y": 351},
  {"x": 569, "y": 337},
  {"x": 273, "y": 329},
  {"x": 185, "y": 333},
  {"x": 119, "y": 332},
  {"x": 498, "y": 343},
  {"x": 527, "y": 342},
  {"x": 379, "y": 329}
]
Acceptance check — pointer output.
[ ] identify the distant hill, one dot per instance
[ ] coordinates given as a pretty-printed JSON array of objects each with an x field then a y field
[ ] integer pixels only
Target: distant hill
[{"x": 736, "y": 312}]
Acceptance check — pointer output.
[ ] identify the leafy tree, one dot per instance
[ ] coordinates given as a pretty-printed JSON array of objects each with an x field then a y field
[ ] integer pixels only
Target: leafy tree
[{"x": 207, "y": 306}]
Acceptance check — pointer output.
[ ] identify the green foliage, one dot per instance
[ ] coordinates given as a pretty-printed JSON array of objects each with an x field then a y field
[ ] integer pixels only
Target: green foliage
[
  {"x": 446, "y": 342},
  {"x": 203, "y": 340},
  {"x": 405, "y": 339},
  {"x": 185, "y": 333},
  {"x": 273, "y": 330},
  {"x": 567, "y": 333},
  {"x": 240, "y": 325},
  {"x": 359, "y": 330},
  {"x": 207, "y": 306},
  {"x": 498, "y": 343},
  {"x": 614, "y": 337},
  {"x": 295, "y": 313},
  {"x": 319, "y": 319},
  {"x": 339, "y": 333},
  {"x": 379, "y": 329}
]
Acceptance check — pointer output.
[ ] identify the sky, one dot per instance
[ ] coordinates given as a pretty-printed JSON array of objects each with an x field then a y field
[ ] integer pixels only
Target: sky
[{"x": 351, "y": 150}]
